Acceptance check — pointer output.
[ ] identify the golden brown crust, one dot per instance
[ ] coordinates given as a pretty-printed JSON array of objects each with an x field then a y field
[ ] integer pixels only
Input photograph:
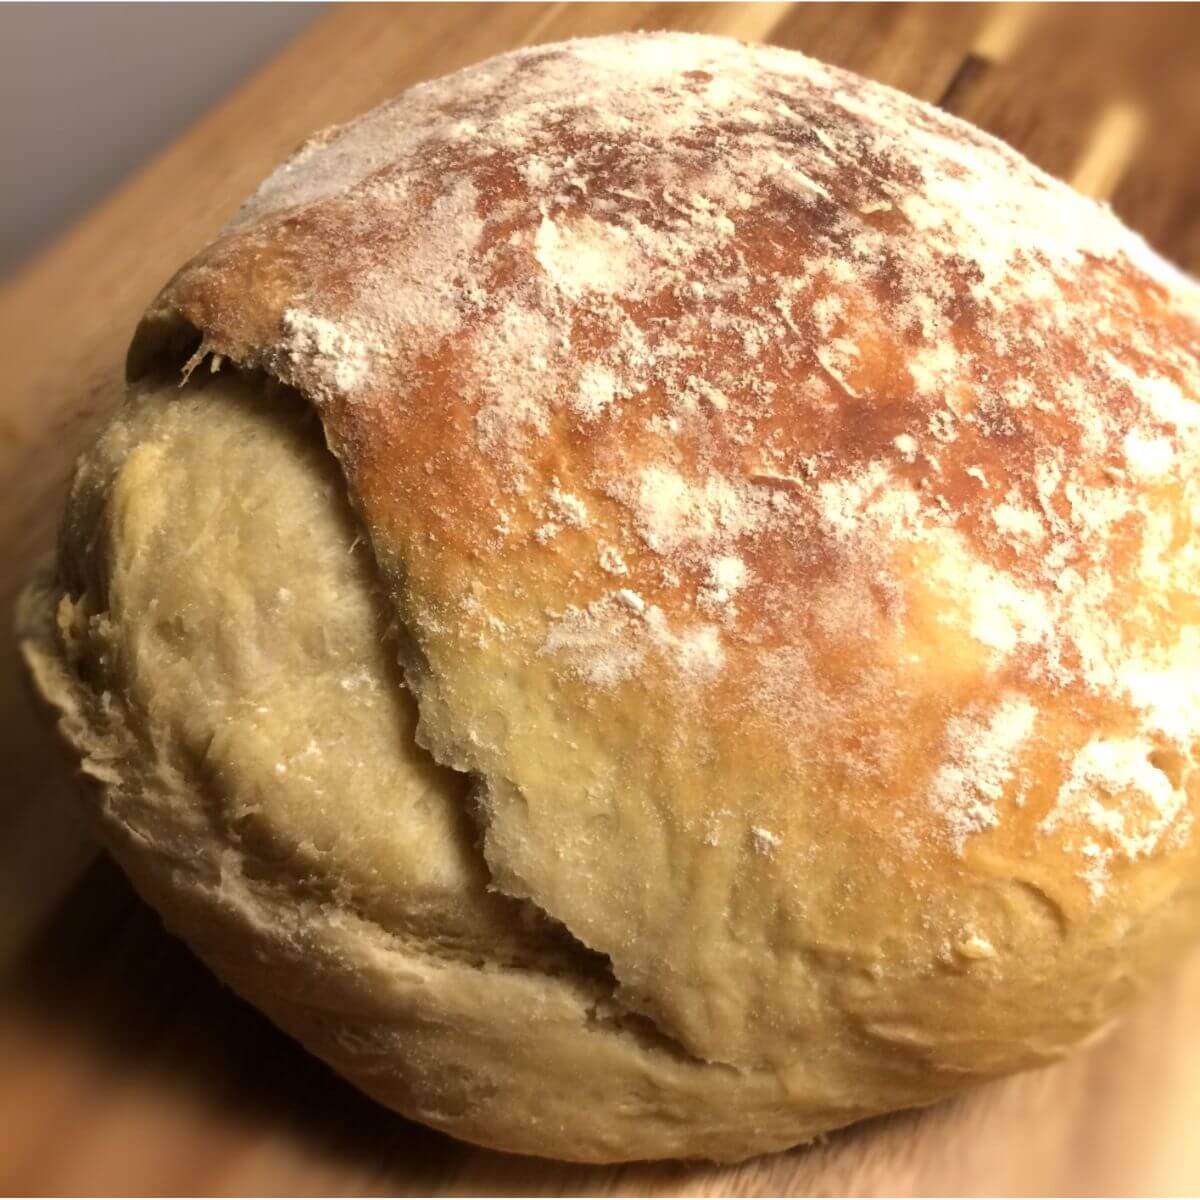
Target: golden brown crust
[{"x": 789, "y": 495}]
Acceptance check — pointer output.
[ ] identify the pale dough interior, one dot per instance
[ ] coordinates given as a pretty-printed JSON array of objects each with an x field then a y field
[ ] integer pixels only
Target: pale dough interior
[{"x": 243, "y": 608}]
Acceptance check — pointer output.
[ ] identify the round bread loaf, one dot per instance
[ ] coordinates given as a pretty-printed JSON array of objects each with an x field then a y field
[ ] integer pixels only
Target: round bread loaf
[{"x": 664, "y": 618}]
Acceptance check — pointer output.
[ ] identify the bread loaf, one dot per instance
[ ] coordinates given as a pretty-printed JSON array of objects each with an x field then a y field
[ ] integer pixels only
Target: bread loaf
[{"x": 662, "y": 619}]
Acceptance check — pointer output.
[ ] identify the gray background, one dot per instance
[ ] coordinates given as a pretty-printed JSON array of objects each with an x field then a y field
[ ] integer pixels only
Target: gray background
[{"x": 89, "y": 91}]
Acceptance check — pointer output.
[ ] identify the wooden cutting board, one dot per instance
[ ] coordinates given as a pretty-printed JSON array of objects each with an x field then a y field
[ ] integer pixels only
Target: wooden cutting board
[{"x": 124, "y": 1067}]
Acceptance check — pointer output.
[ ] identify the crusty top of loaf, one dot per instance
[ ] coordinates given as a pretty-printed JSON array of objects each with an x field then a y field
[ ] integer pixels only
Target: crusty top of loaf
[{"x": 781, "y": 482}]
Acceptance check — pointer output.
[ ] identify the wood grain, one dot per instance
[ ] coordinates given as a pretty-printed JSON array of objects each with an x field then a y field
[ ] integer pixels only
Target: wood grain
[{"x": 124, "y": 1067}]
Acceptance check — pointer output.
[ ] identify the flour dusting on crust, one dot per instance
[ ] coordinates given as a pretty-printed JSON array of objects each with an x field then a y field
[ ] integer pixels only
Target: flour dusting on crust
[{"x": 841, "y": 395}]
